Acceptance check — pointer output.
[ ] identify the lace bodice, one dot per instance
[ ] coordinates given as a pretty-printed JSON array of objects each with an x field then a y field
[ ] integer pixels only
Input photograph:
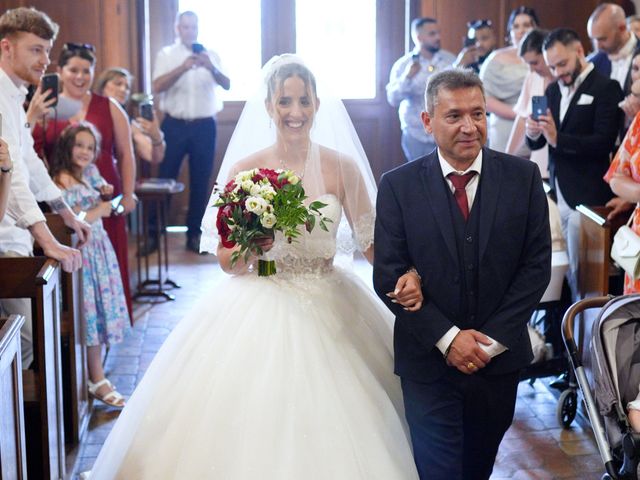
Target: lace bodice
[{"x": 313, "y": 252}]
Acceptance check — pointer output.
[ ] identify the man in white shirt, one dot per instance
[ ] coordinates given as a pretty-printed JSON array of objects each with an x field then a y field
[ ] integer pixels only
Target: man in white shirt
[
  {"x": 616, "y": 45},
  {"x": 185, "y": 78},
  {"x": 26, "y": 37},
  {"x": 407, "y": 82}
]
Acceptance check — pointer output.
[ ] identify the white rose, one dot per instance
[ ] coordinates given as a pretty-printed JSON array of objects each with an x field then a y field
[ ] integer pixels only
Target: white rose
[
  {"x": 255, "y": 189},
  {"x": 268, "y": 220},
  {"x": 242, "y": 176},
  {"x": 267, "y": 192},
  {"x": 256, "y": 205},
  {"x": 293, "y": 179},
  {"x": 246, "y": 185}
]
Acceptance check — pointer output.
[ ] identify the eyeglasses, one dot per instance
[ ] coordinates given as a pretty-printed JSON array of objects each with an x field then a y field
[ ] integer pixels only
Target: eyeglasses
[
  {"x": 478, "y": 24},
  {"x": 79, "y": 46}
]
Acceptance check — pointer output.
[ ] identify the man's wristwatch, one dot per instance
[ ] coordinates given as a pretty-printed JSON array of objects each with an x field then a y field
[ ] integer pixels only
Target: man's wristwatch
[{"x": 6, "y": 170}]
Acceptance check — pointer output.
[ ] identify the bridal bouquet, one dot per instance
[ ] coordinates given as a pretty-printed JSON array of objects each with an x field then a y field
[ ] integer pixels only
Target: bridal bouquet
[{"x": 257, "y": 203}]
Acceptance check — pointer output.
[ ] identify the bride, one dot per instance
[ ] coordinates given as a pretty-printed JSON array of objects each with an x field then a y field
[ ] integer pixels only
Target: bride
[{"x": 288, "y": 376}]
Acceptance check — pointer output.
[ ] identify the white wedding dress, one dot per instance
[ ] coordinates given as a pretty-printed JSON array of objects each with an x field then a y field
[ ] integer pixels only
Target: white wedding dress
[{"x": 281, "y": 377}]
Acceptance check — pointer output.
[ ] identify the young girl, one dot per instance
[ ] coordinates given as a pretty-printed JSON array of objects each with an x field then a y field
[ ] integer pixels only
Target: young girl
[{"x": 105, "y": 307}]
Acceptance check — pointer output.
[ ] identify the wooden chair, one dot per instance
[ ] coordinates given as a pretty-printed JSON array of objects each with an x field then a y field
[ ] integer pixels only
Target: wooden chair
[
  {"x": 38, "y": 278},
  {"x": 74, "y": 352},
  {"x": 13, "y": 463},
  {"x": 596, "y": 270}
]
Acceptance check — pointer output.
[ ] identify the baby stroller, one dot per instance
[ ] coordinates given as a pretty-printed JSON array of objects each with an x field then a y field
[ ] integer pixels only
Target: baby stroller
[{"x": 605, "y": 355}]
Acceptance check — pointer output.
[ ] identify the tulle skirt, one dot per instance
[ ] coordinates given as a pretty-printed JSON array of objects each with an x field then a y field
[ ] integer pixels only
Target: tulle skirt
[{"x": 285, "y": 377}]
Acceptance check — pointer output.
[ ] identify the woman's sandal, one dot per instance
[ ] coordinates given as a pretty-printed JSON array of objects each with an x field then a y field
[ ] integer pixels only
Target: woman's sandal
[{"x": 112, "y": 398}]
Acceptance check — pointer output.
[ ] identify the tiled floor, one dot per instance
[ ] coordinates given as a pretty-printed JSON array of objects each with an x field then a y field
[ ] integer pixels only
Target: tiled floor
[{"x": 535, "y": 447}]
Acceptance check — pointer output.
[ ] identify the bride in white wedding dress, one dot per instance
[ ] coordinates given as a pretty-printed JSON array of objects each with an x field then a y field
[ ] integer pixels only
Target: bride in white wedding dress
[{"x": 288, "y": 376}]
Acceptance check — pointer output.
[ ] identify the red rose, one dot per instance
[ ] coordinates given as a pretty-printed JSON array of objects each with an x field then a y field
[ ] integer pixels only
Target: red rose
[
  {"x": 230, "y": 186},
  {"x": 223, "y": 229}
]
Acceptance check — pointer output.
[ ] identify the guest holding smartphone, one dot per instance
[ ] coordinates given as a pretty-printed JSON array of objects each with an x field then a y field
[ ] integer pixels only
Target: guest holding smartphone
[
  {"x": 535, "y": 84},
  {"x": 148, "y": 139},
  {"x": 186, "y": 78},
  {"x": 115, "y": 161}
]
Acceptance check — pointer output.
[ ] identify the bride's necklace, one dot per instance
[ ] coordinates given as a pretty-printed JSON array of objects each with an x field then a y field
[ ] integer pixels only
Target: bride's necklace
[{"x": 304, "y": 166}]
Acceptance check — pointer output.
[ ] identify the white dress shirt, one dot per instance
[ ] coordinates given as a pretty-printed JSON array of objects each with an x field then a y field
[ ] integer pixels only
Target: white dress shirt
[
  {"x": 495, "y": 348},
  {"x": 195, "y": 94},
  {"x": 567, "y": 92},
  {"x": 621, "y": 61},
  {"x": 30, "y": 182}
]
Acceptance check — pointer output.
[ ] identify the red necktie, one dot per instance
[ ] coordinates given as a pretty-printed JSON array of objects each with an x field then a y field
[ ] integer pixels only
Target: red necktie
[{"x": 460, "y": 183}]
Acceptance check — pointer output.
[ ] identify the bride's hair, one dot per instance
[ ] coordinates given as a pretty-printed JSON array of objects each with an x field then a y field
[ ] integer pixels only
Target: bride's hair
[{"x": 277, "y": 77}]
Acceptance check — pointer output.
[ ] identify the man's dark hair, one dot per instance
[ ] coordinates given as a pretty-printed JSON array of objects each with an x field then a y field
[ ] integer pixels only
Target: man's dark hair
[
  {"x": 454, "y": 79},
  {"x": 565, "y": 36},
  {"x": 27, "y": 20},
  {"x": 532, "y": 41},
  {"x": 419, "y": 22}
]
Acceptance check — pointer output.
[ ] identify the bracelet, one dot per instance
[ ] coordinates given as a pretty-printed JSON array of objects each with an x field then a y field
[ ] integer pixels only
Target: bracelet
[
  {"x": 159, "y": 142},
  {"x": 6, "y": 170},
  {"x": 413, "y": 270}
]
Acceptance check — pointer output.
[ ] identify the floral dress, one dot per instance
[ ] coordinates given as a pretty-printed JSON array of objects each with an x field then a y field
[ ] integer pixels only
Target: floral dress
[
  {"x": 627, "y": 162},
  {"x": 105, "y": 306}
]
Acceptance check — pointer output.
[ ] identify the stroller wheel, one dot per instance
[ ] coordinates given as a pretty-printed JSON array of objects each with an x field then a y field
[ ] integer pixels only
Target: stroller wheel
[{"x": 567, "y": 407}]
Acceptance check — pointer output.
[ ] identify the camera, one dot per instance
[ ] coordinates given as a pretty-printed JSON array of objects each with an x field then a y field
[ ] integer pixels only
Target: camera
[{"x": 197, "y": 48}]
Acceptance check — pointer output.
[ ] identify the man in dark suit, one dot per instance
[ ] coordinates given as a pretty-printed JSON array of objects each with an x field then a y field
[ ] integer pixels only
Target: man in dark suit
[
  {"x": 484, "y": 254},
  {"x": 580, "y": 128}
]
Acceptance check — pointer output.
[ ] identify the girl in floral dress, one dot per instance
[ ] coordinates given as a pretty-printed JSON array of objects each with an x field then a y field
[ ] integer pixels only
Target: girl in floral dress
[{"x": 104, "y": 302}]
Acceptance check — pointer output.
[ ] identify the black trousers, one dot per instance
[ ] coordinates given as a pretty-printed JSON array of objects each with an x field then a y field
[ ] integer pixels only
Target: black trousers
[
  {"x": 197, "y": 140},
  {"x": 457, "y": 423}
]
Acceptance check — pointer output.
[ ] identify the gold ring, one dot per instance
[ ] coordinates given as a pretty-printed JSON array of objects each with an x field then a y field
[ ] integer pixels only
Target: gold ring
[{"x": 471, "y": 366}]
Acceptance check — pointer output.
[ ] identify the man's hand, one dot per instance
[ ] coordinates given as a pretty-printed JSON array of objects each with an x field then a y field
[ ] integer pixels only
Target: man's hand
[
  {"x": 548, "y": 127},
  {"x": 467, "y": 56},
  {"x": 618, "y": 205},
  {"x": 80, "y": 227},
  {"x": 128, "y": 202},
  {"x": 190, "y": 62},
  {"x": 39, "y": 106},
  {"x": 414, "y": 69},
  {"x": 69, "y": 258},
  {"x": 408, "y": 292},
  {"x": 465, "y": 353},
  {"x": 532, "y": 128},
  {"x": 5, "y": 157}
]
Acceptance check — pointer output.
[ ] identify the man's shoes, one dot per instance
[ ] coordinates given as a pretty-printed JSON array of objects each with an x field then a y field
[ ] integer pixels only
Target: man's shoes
[
  {"x": 193, "y": 244},
  {"x": 148, "y": 248}
]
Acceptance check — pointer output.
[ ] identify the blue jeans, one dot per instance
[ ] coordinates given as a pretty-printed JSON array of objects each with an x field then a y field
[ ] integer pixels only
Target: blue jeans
[
  {"x": 197, "y": 140},
  {"x": 414, "y": 148}
]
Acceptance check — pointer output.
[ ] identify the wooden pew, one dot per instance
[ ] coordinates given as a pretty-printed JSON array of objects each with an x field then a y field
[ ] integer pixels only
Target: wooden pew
[
  {"x": 13, "y": 463},
  {"x": 74, "y": 352},
  {"x": 595, "y": 268},
  {"x": 38, "y": 278}
]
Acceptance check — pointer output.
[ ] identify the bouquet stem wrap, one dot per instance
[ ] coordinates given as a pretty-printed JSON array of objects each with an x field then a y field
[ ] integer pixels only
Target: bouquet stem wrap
[{"x": 266, "y": 268}]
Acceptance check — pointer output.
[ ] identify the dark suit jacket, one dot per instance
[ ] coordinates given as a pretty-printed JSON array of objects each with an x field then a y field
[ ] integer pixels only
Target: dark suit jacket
[
  {"x": 414, "y": 228},
  {"x": 586, "y": 138}
]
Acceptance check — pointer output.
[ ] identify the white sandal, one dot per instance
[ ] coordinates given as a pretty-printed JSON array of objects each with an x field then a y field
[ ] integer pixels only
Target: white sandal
[{"x": 113, "y": 398}]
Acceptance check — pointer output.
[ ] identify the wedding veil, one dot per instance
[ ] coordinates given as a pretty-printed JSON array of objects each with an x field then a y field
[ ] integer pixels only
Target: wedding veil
[{"x": 335, "y": 163}]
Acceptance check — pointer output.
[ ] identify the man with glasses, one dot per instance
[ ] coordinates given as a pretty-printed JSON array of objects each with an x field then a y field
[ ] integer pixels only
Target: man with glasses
[
  {"x": 480, "y": 41},
  {"x": 26, "y": 37},
  {"x": 408, "y": 80}
]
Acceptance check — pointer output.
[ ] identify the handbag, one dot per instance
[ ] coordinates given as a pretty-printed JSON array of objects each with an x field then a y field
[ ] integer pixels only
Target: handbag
[{"x": 626, "y": 249}]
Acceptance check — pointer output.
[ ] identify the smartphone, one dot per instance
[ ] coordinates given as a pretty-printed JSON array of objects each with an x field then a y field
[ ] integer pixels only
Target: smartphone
[
  {"x": 146, "y": 111},
  {"x": 197, "y": 48},
  {"x": 116, "y": 206},
  {"x": 538, "y": 106},
  {"x": 468, "y": 41},
  {"x": 51, "y": 81}
]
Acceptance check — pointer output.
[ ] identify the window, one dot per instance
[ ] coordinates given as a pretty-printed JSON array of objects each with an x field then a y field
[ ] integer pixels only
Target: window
[
  {"x": 233, "y": 31},
  {"x": 338, "y": 39}
]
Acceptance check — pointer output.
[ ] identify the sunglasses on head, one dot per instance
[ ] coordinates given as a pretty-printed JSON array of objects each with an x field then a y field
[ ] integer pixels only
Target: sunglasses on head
[
  {"x": 79, "y": 46},
  {"x": 477, "y": 24}
]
